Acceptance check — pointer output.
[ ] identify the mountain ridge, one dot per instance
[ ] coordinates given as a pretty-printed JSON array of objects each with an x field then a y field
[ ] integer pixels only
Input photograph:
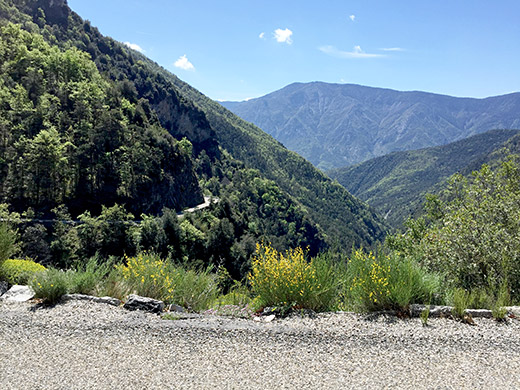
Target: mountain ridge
[
  {"x": 335, "y": 125},
  {"x": 396, "y": 184}
]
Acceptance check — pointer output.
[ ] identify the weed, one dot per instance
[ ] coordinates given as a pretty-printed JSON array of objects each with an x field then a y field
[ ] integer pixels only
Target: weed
[
  {"x": 461, "y": 301},
  {"x": 425, "y": 314}
]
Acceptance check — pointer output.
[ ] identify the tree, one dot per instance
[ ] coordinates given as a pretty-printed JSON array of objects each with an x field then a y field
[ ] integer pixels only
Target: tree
[
  {"x": 473, "y": 236},
  {"x": 46, "y": 167}
]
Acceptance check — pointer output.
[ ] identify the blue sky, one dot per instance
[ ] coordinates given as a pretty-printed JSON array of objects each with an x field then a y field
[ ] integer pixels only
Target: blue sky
[{"x": 235, "y": 50}]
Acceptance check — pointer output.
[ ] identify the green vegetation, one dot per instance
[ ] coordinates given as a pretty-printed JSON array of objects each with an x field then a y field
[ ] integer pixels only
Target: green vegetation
[
  {"x": 288, "y": 279},
  {"x": 470, "y": 234},
  {"x": 461, "y": 301},
  {"x": 149, "y": 275},
  {"x": 425, "y": 314},
  {"x": 71, "y": 136},
  {"x": 387, "y": 282},
  {"x": 16, "y": 271},
  {"x": 105, "y": 138},
  {"x": 396, "y": 184},
  {"x": 51, "y": 285}
]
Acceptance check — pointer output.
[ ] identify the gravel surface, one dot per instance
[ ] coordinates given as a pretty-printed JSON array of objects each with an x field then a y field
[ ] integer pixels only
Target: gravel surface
[{"x": 86, "y": 345}]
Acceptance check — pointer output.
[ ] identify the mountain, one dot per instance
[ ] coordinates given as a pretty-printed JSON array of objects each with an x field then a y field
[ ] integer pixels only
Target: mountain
[
  {"x": 396, "y": 184},
  {"x": 265, "y": 191},
  {"x": 336, "y": 125}
]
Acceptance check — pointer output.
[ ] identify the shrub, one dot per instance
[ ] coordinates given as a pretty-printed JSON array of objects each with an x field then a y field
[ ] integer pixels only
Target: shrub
[
  {"x": 280, "y": 279},
  {"x": 195, "y": 290},
  {"x": 114, "y": 285},
  {"x": 85, "y": 279},
  {"x": 498, "y": 309},
  {"x": 472, "y": 232},
  {"x": 148, "y": 275},
  {"x": 382, "y": 282},
  {"x": 51, "y": 285},
  {"x": 16, "y": 271}
]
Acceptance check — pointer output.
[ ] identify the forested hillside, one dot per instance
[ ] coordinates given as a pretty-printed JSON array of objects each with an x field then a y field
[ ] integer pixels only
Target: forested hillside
[
  {"x": 70, "y": 136},
  {"x": 336, "y": 125},
  {"x": 95, "y": 131},
  {"x": 396, "y": 184}
]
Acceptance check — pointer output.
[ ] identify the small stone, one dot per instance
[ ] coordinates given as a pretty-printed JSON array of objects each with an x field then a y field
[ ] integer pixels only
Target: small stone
[
  {"x": 269, "y": 318},
  {"x": 108, "y": 301},
  {"x": 435, "y": 311},
  {"x": 18, "y": 293},
  {"x": 176, "y": 308},
  {"x": 4, "y": 287},
  {"x": 479, "y": 313},
  {"x": 136, "y": 302}
]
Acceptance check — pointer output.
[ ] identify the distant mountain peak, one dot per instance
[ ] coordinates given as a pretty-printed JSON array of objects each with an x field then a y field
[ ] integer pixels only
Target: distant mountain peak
[{"x": 334, "y": 125}]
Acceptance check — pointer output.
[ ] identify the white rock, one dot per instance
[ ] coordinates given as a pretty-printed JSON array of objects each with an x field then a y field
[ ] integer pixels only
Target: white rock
[{"x": 18, "y": 293}]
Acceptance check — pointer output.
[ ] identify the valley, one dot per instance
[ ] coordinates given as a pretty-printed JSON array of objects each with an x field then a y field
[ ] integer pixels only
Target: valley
[{"x": 119, "y": 178}]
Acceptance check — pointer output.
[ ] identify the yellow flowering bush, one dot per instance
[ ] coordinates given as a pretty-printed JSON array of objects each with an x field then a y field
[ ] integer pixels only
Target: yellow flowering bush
[
  {"x": 148, "y": 275},
  {"x": 17, "y": 271},
  {"x": 51, "y": 285},
  {"x": 288, "y": 279},
  {"x": 369, "y": 279}
]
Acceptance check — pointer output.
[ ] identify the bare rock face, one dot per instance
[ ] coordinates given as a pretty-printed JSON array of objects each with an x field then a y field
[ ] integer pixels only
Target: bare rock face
[
  {"x": 18, "y": 294},
  {"x": 136, "y": 302}
]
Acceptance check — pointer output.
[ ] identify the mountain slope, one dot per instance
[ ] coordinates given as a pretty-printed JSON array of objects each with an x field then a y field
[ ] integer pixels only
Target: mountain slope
[
  {"x": 395, "y": 184},
  {"x": 226, "y": 149},
  {"x": 70, "y": 137},
  {"x": 344, "y": 218},
  {"x": 335, "y": 125}
]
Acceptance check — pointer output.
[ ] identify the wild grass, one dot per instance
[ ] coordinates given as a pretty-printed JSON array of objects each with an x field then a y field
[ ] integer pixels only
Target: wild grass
[{"x": 387, "y": 282}]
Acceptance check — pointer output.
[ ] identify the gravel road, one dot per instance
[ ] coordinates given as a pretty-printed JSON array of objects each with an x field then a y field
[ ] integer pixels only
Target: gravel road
[{"x": 84, "y": 345}]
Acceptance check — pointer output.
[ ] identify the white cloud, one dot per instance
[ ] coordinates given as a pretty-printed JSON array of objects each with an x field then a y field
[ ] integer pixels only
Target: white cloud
[
  {"x": 261, "y": 36},
  {"x": 393, "y": 49},
  {"x": 183, "y": 63},
  {"x": 134, "y": 46},
  {"x": 283, "y": 35},
  {"x": 352, "y": 17},
  {"x": 357, "y": 52}
]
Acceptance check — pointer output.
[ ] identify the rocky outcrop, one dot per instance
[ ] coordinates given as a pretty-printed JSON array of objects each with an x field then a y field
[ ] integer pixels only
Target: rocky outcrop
[
  {"x": 90, "y": 298},
  {"x": 136, "y": 302}
]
